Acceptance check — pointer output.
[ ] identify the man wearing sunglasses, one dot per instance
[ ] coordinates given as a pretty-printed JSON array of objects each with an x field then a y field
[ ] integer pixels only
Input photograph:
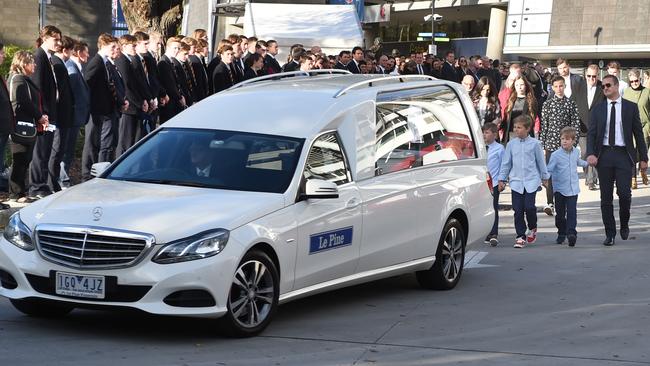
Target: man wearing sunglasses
[
  {"x": 614, "y": 144},
  {"x": 595, "y": 96},
  {"x": 636, "y": 93}
]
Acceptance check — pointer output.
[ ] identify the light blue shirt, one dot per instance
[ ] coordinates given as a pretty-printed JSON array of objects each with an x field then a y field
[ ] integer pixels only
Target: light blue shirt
[
  {"x": 494, "y": 158},
  {"x": 563, "y": 169},
  {"x": 523, "y": 162}
]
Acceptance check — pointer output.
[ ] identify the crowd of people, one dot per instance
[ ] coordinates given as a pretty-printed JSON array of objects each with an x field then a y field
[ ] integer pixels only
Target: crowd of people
[{"x": 135, "y": 82}]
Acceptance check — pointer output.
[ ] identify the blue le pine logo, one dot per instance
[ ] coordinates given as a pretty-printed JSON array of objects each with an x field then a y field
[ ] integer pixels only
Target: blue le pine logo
[{"x": 330, "y": 240}]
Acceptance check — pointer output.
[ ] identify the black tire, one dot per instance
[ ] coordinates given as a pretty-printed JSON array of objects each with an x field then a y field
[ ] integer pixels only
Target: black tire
[
  {"x": 248, "y": 298},
  {"x": 41, "y": 308},
  {"x": 445, "y": 272}
]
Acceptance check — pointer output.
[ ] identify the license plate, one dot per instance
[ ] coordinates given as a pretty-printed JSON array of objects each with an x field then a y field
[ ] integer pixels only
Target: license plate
[{"x": 69, "y": 284}]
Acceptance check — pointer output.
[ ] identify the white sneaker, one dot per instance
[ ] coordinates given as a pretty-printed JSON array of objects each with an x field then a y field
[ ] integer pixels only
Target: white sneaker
[{"x": 549, "y": 210}]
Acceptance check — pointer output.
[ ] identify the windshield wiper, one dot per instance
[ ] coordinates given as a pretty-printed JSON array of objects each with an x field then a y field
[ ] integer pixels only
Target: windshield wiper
[{"x": 172, "y": 182}]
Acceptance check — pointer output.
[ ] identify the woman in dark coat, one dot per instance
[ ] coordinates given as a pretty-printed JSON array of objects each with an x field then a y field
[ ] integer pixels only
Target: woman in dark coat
[
  {"x": 254, "y": 65},
  {"x": 26, "y": 101}
]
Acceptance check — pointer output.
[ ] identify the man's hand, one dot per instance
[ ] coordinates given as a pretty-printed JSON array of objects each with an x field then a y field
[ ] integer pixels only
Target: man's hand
[
  {"x": 183, "y": 104},
  {"x": 643, "y": 166},
  {"x": 502, "y": 186},
  {"x": 125, "y": 106},
  {"x": 593, "y": 160},
  {"x": 145, "y": 106}
]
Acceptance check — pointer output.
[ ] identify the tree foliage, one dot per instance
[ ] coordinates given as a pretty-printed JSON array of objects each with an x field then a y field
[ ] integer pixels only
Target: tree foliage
[{"x": 163, "y": 16}]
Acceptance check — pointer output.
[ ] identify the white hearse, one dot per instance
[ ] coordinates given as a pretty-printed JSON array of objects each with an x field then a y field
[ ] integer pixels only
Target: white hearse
[{"x": 270, "y": 191}]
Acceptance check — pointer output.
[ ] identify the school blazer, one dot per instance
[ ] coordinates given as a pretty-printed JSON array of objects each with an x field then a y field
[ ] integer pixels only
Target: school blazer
[
  {"x": 81, "y": 93},
  {"x": 43, "y": 78},
  {"x": 101, "y": 97},
  {"x": 631, "y": 130},
  {"x": 65, "y": 105}
]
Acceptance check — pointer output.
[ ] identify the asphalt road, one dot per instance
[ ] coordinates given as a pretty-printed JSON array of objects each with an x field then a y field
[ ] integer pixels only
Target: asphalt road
[{"x": 543, "y": 305}]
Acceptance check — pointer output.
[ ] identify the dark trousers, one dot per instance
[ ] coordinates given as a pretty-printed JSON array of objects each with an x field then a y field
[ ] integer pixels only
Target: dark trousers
[
  {"x": 22, "y": 156},
  {"x": 127, "y": 132},
  {"x": 566, "y": 214},
  {"x": 58, "y": 149},
  {"x": 524, "y": 204},
  {"x": 615, "y": 166},
  {"x": 93, "y": 143},
  {"x": 549, "y": 186},
  {"x": 70, "y": 147},
  {"x": 3, "y": 145},
  {"x": 108, "y": 141},
  {"x": 495, "y": 204},
  {"x": 39, "y": 174}
]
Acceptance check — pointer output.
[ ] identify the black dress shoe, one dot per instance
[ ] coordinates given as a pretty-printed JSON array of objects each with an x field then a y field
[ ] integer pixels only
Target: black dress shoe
[
  {"x": 625, "y": 233},
  {"x": 609, "y": 241}
]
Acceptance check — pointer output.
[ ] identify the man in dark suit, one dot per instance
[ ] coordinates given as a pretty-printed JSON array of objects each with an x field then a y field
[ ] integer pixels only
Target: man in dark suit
[
  {"x": 136, "y": 92},
  {"x": 294, "y": 64},
  {"x": 45, "y": 81},
  {"x": 106, "y": 102},
  {"x": 170, "y": 82},
  {"x": 183, "y": 74},
  {"x": 614, "y": 144},
  {"x": 223, "y": 76},
  {"x": 420, "y": 67},
  {"x": 343, "y": 61},
  {"x": 81, "y": 109},
  {"x": 271, "y": 65},
  {"x": 157, "y": 92},
  {"x": 357, "y": 56},
  {"x": 448, "y": 71},
  {"x": 593, "y": 95},
  {"x": 6, "y": 113},
  {"x": 65, "y": 109}
]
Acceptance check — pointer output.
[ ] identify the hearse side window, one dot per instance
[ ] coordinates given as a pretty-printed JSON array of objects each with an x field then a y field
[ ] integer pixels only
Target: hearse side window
[
  {"x": 420, "y": 127},
  {"x": 325, "y": 160}
]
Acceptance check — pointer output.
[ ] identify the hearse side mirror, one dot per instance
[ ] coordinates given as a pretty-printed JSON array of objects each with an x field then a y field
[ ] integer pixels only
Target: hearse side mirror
[
  {"x": 98, "y": 168},
  {"x": 318, "y": 188}
]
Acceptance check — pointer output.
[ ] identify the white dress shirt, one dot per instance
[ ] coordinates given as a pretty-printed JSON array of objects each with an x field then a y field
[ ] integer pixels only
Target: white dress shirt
[
  {"x": 591, "y": 93},
  {"x": 619, "y": 141}
]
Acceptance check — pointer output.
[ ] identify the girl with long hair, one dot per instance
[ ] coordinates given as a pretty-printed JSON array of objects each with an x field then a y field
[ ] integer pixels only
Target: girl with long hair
[
  {"x": 520, "y": 102},
  {"x": 486, "y": 102}
]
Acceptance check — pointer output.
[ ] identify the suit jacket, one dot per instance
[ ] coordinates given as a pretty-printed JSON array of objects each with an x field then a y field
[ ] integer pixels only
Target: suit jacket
[
  {"x": 448, "y": 72},
  {"x": 153, "y": 76},
  {"x": 184, "y": 81},
  {"x": 340, "y": 66},
  {"x": 65, "y": 105},
  {"x": 579, "y": 95},
  {"x": 25, "y": 98},
  {"x": 271, "y": 65},
  {"x": 201, "y": 77},
  {"x": 426, "y": 69},
  {"x": 222, "y": 77},
  {"x": 136, "y": 90},
  {"x": 211, "y": 66},
  {"x": 102, "y": 101},
  {"x": 631, "y": 130},
  {"x": 291, "y": 66},
  {"x": 353, "y": 68},
  {"x": 6, "y": 110},
  {"x": 81, "y": 94},
  {"x": 44, "y": 80},
  {"x": 168, "y": 79},
  {"x": 249, "y": 73},
  {"x": 599, "y": 97}
]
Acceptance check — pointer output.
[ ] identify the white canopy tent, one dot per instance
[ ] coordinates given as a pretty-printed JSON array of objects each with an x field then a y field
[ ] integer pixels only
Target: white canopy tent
[{"x": 332, "y": 27}]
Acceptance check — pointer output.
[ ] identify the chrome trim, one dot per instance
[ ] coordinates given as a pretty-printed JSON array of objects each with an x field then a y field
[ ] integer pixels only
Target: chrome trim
[
  {"x": 282, "y": 75},
  {"x": 387, "y": 79},
  {"x": 149, "y": 242},
  {"x": 355, "y": 278}
]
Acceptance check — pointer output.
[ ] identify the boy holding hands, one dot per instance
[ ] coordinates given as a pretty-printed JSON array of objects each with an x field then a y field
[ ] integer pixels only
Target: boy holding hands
[
  {"x": 524, "y": 165},
  {"x": 495, "y": 153},
  {"x": 563, "y": 168}
]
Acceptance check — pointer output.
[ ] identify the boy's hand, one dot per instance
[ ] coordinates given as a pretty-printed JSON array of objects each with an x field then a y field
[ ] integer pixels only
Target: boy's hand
[
  {"x": 502, "y": 186},
  {"x": 592, "y": 160}
]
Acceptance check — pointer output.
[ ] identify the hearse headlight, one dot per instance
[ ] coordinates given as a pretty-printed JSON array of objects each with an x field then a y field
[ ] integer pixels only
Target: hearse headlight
[
  {"x": 18, "y": 234},
  {"x": 202, "y": 245}
]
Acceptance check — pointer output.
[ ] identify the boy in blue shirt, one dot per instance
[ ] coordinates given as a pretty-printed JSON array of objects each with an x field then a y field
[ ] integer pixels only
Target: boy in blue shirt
[
  {"x": 495, "y": 153},
  {"x": 524, "y": 165},
  {"x": 563, "y": 169}
]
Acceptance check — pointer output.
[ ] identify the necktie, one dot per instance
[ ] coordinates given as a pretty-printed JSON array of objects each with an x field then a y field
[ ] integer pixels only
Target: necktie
[
  {"x": 56, "y": 84},
  {"x": 420, "y": 70},
  {"x": 612, "y": 125},
  {"x": 189, "y": 76},
  {"x": 232, "y": 80},
  {"x": 144, "y": 67},
  {"x": 111, "y": 81}
]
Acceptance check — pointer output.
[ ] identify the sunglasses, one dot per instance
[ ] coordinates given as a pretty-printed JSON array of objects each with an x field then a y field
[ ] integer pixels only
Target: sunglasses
[
  {"x": 634, "y": 81},
  {"x": 608, "y": 85},
  {"x": 591, "y": 76}
]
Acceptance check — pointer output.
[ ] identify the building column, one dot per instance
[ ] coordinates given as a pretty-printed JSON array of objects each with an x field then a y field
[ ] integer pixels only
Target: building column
[{"x": 496, "y": 33}]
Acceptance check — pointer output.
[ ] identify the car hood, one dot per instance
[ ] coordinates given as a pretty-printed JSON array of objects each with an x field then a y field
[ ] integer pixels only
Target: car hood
[{"x": 168, "y": 212}]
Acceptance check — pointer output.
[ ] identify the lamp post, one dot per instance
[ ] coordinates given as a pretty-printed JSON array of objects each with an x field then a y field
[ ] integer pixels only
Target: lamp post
[{"x": 432, "y": 49}]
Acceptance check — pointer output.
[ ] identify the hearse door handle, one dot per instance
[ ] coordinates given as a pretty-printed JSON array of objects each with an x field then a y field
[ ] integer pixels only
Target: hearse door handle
[{"x": 353, "y": 203}]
